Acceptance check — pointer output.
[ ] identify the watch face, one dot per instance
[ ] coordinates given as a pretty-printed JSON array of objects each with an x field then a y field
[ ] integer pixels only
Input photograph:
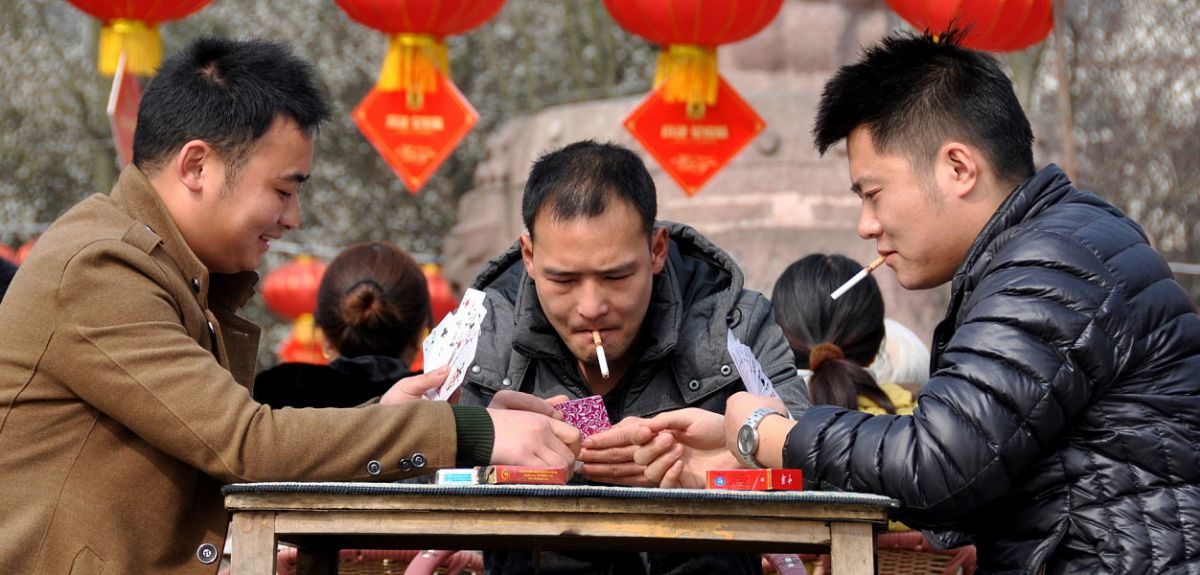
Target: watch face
[{"x": 747, "y": 440}]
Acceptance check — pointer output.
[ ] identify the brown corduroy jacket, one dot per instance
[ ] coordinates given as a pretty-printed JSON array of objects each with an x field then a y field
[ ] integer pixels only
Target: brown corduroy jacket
[{"x": 124, "y": 402}]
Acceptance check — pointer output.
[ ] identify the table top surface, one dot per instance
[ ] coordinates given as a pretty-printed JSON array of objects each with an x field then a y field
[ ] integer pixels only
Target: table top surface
[{"x": 238, "y": 494}]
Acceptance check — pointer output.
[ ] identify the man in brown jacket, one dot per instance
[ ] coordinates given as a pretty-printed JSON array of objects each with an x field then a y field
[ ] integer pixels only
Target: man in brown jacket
[{"x": 124, "y": 370}]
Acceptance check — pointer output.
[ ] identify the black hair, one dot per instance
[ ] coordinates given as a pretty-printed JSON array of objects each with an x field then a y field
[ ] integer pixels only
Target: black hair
[
  {"x": 811, "y": 320},
  {"x": 581, "y": 179},
  {"x": 373, "y": 300},
  {"x": 227, "y": 93},
  {"x": 916, "y": 92}
]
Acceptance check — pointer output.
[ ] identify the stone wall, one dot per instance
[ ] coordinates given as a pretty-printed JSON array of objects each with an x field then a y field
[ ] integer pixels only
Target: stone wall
[{"x": 774, "y": 203}]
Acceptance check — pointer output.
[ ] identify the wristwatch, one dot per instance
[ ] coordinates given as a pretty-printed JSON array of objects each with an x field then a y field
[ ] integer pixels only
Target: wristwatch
[{"x": 747, "y": 437}]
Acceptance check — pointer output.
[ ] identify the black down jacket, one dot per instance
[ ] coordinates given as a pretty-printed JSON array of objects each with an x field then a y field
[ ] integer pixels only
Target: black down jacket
[{"x": 1061, "y": 427}]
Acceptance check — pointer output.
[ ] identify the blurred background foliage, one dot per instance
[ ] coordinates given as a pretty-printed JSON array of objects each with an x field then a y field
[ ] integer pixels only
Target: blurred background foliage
[{"x": 1132, "y": 68}]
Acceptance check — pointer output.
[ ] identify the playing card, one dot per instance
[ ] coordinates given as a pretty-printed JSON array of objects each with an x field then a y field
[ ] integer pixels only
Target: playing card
[
  {"x": 755, "y": 380},
  {"x": 588, "y": 415},
  {"x": 453, "y": 343}
]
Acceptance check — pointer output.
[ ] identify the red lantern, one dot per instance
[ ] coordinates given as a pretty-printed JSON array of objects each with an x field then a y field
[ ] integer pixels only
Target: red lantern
[
  {"x": 131, "y": 26},
  {"x": 290, "y": 290},
  {"x": 996, "y": 25},
  {"x": 441, "y": 297},
  {"x": 688, "y": 32},
  {"x": 417, "y": 28}
]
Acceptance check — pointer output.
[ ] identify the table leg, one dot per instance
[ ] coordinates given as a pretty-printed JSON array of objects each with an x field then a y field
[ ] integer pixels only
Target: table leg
[
  {"x": 254, "y": 543},
  {"x": 852, "y": 548}
]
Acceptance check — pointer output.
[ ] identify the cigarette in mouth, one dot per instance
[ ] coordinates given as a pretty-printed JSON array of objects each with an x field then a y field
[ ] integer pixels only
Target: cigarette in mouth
[
  {"x": 839, "y": 292},
  {"x": 600, "y": 354}
]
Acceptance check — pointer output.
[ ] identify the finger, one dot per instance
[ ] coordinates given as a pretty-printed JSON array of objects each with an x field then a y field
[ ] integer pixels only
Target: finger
[
  {"x": 611, "y": 455},
  {"x": 557, "y": 454},
  {"x": 652, "y": 450},
  {"x": 617, "y": 470},
  {"x": 658, "y": 468},
  {"x": 674, "y": 476},
  {"x": 557, "y": 399},
  {"x": 618, "y": 437},
  {"x": 422, "y": 382},
  {"x": 678, "y": 420},
  {"x": 568, "y": 435}
]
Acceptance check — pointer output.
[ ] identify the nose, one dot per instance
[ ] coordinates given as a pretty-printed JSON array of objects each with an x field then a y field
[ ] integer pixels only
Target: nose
[
  {"x": 592, "y": 303},
  {"x": 868, "y": 225},
  {"x": 291, "y": 214}
]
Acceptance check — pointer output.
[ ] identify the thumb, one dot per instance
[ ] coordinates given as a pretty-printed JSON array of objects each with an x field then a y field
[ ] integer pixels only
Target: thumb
[{"x": 425, "y": 381}]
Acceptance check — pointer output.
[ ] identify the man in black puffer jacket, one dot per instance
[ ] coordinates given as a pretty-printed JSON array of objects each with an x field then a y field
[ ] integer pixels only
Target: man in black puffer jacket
[{"x": 1060, "y": 430}]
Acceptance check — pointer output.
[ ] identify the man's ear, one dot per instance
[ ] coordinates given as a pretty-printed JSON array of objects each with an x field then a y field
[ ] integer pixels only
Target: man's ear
[
  {"x": 659, "y": 243},
  {"x": 958, "y": 168},
  {"x": 527, "y": 252},
  {"x": 192, "y": 165}
]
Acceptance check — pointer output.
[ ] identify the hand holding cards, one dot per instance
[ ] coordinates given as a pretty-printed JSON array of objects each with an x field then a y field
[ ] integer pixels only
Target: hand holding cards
[{"x": 453, "y": 343}]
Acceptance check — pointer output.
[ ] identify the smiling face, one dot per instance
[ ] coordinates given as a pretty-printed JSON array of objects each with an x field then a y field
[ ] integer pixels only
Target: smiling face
[
  {"x": 595, "y": 273},
  {"x": 236, "y": 219},
  {"x": 917, "y": 220}
]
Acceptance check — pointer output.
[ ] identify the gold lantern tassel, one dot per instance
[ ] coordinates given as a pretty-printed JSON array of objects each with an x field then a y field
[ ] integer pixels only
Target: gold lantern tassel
[
  {"x": 412, "y": 64},
  {"x": 690, "y": 74},
  {"x": 140, "y": 41}
]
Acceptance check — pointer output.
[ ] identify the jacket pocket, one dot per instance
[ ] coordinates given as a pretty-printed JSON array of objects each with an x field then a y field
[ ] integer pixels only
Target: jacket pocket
[{"x": 86, "y": 562}]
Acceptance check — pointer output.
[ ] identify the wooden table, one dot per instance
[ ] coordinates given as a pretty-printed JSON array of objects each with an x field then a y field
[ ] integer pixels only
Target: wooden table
[{"x": 320, "y": 518}]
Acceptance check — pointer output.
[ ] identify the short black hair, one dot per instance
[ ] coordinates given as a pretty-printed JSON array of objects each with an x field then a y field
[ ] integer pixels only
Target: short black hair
[
  {"x": 227, "y": 93},
  {"x": 916, "y": 92},
  {"x": 580, "y": 180}
]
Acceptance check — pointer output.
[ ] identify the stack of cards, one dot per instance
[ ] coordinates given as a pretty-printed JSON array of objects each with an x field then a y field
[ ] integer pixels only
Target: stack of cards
[
  {"x": 588, "y": 415},
  {"x": 453, "y": 343}
]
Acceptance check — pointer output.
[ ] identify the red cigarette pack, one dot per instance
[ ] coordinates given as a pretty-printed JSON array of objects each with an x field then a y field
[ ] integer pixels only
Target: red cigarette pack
[
  {"x": 755, "y": 479},
  {"x": 527, "y": 475}
]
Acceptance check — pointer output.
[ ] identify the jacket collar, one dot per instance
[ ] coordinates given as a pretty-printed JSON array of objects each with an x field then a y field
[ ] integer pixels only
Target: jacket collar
[{"x": 137, "y": 197}]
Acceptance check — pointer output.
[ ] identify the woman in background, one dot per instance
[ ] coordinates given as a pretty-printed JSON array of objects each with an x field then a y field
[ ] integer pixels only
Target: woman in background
[
  {"x": 836, "y": 340},
  {"x": 373, "y": 307}
]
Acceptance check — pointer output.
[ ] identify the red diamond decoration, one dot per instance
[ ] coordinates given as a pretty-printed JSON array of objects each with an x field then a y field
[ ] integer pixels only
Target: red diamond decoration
[
  {"x": 693, "y": 150},
  {"x": 415, "y": 140}
]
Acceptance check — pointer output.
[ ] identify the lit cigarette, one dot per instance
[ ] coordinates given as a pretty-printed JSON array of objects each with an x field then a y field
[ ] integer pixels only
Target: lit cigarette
[
  {"x": 600, "y": 354},
  {"x": 837, "y": 293}
]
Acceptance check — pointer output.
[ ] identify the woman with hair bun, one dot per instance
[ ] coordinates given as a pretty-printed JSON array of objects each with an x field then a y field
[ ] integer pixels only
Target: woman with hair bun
[
  {"x": 835, "y": 340},
  {"x": 373, "y": 306}
]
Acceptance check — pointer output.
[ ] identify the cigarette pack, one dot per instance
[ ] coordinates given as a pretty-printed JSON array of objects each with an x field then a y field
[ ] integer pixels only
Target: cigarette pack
[
  {"x": 507, "y": 474},
  {"x": 464, "y": 476},
  {"x": 755, "y": 479}
]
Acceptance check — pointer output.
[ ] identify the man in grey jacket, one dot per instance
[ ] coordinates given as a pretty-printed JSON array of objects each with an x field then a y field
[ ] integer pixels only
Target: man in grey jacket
[{"x": 660, "y": 295}]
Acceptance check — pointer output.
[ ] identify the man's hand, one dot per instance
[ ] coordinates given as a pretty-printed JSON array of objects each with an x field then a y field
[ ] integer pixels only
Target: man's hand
[
  {"x": 607, "y": 456},
  {"x": 772, "y": 434},
  {"x": 516, "y": 400},
  {"x": 414, "y": 387},
  {"x": 687, "y": 442},
  {"x": 525, "y": 437}
]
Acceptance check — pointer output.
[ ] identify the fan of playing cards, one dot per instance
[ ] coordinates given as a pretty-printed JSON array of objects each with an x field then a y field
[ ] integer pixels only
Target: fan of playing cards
[{"x": 453, "y": 342}]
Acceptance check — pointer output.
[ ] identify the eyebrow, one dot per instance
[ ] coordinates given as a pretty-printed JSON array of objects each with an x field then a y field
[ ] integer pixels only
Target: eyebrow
[
  {"x": 296, "y": 177},
  {"x": 857, "y": 186},
  {"x": 615, "y": 270}
]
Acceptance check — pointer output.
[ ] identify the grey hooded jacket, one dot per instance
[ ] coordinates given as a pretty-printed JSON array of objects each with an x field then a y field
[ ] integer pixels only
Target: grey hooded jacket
[{"x": 684, "y": 362}]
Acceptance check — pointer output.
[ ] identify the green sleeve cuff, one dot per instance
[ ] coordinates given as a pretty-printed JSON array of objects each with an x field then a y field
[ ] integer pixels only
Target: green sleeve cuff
[{"x": 476, "y": 434}]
